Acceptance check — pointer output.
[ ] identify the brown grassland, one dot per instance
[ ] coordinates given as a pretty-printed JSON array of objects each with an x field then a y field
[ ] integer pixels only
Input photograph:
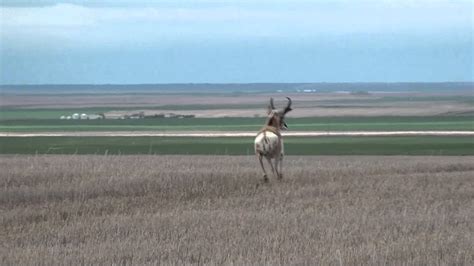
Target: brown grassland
[{"x": 213, "y": 210}]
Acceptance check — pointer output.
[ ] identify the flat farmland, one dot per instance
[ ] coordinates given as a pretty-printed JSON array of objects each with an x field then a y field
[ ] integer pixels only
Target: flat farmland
[
  {"x": 325, "y": 145},
  {"x": 93, "y": 196},
  {"x": 341, "y": 210},
  {"x": 224, "y": 103},
  {"x": 231, "y": 124}
]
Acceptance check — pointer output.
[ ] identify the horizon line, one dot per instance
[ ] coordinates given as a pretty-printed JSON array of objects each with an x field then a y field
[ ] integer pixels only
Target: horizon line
[{"x": 236, "y": 83}]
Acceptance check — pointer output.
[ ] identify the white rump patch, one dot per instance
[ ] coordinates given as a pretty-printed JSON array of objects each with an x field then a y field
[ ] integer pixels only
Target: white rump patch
[{"x": 266, "y": 143}]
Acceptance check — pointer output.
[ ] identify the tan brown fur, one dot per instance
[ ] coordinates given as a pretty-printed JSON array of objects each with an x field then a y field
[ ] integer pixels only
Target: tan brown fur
[
  {"x": 269, "y": 147},
  {"x": 271, "y": 129}
]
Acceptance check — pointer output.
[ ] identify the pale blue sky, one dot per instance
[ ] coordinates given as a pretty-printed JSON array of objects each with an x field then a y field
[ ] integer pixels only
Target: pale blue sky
[{"x": 97, "y": 42}]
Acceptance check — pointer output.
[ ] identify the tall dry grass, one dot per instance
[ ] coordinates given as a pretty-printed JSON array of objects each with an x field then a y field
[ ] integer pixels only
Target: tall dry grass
[{"x": 210, "y": 210}]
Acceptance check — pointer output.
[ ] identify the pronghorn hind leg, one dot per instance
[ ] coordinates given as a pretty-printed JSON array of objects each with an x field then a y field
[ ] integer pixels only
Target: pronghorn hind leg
[
  {"x": 265, "y": 177},
  {"x": 274, "y": 170},
  {"x": 271, "y": 164},
  {"x": 277, "y": 167},
  {"x": 280, "y": 173}
]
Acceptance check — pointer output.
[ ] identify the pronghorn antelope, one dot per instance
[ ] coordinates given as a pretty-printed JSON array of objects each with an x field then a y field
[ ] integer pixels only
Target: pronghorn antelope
[{"x": 269, "y": 143}]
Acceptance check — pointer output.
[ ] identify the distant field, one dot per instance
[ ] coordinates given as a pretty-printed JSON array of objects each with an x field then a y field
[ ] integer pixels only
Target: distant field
[
  {"x": 44, "y": 109},
  {"x": 152, "y": 210},
  {"x": 188, "y": 200},
  {"x": 245, "y": 124},
  {"x": 238, "y": 108},
  {"x": 425, "y": 145},
  {"x": 44, "y": 113},
  {"x": 55, "y": 113},
  {"x": 222, "y": 102}
]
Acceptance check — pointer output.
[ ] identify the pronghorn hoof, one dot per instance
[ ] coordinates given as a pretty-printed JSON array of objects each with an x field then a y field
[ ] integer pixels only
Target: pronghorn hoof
[
  {"x": 280, "y": 176},
  {"x": 265, "y": 179}
]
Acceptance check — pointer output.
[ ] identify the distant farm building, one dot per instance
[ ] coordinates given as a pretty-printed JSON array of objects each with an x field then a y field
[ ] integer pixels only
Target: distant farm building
[
  {"x": 144, "y": 114},
  {"x": 114, "y": 115},
  {"x": 139, "y": 115},
  {"x": 124, "y": 115},
  {"x": 173, "y": 115},
  {"x": 77, "y": 116},
  {"x": 95, "y": 116}
]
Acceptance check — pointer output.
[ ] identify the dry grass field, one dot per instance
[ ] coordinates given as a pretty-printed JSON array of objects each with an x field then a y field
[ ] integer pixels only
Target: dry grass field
[{"x": 213, "y": 210}]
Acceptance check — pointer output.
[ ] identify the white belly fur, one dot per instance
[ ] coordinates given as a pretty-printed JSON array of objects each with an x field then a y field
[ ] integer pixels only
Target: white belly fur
[{"x": 266, "y": 143}]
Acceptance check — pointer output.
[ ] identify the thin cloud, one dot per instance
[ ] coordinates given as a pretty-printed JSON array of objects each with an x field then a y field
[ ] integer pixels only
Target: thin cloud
[
  {"x": 235, "y": 40},
  {"x": 334, "y": 17}
]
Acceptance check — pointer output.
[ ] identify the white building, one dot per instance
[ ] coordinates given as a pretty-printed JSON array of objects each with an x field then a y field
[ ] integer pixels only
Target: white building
[{"x": 95, "y": 116}]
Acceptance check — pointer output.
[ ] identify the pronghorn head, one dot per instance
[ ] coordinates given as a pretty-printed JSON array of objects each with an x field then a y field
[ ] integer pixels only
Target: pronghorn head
[{"x": 276, "y": 118}]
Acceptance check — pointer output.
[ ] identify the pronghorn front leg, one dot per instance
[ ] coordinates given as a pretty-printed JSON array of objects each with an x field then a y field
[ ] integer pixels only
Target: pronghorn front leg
[
  {"x": 265, "y": 177},
  {"x": 279, "y": 160}
]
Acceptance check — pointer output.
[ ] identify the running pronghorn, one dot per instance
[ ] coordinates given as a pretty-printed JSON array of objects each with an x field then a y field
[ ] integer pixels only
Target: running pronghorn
[{"x": 269, "y": 143}]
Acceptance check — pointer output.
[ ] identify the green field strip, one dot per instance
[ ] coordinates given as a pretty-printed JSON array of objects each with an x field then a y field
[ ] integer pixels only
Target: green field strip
[
  {"x": 245, "y": 124},
  {"x": 425, "y": 145}
]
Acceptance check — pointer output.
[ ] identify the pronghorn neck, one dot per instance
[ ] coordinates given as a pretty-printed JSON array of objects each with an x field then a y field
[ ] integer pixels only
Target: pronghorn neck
[
  {"x": 272, "y": 125},
  {"x": 270, "y": 129},
  {"x": 273, "y": 121}
]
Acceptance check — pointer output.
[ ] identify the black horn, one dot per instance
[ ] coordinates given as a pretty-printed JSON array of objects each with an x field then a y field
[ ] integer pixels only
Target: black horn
[
  {"x": 271, "y": 104},
  {"x": 288, "y": 107}
]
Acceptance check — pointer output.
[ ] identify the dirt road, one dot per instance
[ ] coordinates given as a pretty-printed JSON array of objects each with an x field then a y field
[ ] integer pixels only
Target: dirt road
[{"x": 232, "y": 134}]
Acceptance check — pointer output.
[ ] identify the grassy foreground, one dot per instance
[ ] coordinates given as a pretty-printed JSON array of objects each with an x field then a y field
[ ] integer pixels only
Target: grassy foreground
[
  {"x": 422, "y": 145},
  {"x": 210, "y": 210}
]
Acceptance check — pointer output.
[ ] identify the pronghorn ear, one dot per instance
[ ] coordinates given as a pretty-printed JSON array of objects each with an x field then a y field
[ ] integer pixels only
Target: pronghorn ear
[
  {"x": 271, "y": 106},
  {"x": 269, "y": 109}
]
